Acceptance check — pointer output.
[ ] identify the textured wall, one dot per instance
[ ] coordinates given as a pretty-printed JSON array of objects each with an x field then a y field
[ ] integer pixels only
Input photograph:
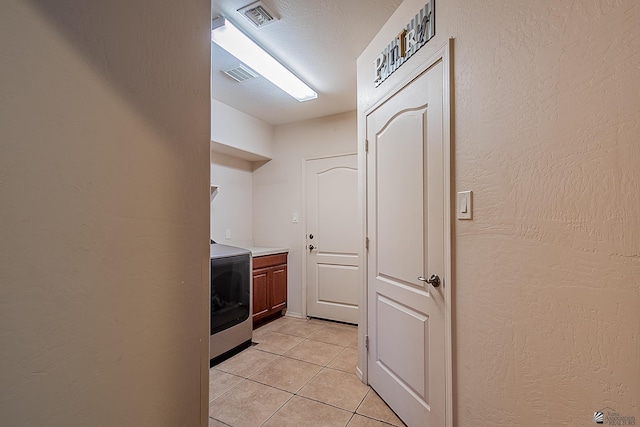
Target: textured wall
[
  {"x": 278, "y": 187},
  {"x": 235, "y": 130},
  {"x": 233, "y": 206},
  {"x": 547, "y": 135},
  {"x": 104, "y": 173}
]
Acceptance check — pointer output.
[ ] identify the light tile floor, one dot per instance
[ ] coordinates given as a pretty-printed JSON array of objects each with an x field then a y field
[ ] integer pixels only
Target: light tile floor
[{"x": 300, "y": 373}]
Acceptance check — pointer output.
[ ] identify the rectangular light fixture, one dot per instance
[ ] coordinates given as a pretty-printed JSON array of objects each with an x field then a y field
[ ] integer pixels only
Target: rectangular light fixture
[{"x": 228, "y": 37}]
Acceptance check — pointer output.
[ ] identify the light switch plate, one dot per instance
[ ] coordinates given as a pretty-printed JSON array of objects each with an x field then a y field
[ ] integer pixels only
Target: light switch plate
[
  {"x": 227, "y": 234},
  {"x": 464, "y": 205},
  {"x": 295, "y": 218}
]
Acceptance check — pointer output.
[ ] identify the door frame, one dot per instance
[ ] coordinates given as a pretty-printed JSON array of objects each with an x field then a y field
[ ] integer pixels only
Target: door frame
[
  {"x": 443, "y": 54},
  {"x": 304, "y": 223}
]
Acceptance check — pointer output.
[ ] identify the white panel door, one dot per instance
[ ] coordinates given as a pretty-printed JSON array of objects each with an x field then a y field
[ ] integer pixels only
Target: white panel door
[
  {"x": 332, "y": 238},
  {"x": 405, "y": 224}
]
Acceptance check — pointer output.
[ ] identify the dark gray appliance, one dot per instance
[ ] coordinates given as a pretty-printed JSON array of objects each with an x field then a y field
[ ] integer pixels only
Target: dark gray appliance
[{"x": 231, "y": 320}]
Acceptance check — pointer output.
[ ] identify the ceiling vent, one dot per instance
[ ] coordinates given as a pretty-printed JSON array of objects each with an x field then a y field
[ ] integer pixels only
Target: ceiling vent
[
  {"x": 240, "y": 73},
  {"x": 258, "y": 14}
]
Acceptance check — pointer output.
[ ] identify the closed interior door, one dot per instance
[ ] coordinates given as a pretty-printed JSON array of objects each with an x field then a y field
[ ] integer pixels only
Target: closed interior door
[
  {"x": 405, "y": 225},
  {"x": 332, "y": 238}
]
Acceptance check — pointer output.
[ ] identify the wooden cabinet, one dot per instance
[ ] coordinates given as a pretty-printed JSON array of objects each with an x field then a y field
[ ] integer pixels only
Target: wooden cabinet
[{"x": 269, "y": 286}]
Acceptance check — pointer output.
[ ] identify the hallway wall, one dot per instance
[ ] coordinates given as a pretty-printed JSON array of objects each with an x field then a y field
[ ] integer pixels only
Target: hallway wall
[
  {"x": 547, "y": 274},
  {"x": 104, "y": 177}
]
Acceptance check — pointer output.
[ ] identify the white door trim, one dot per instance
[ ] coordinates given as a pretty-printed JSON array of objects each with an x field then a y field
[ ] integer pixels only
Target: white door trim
[
  {"x": 303, "y": 235},
  {"x": 444, "y": 54}
]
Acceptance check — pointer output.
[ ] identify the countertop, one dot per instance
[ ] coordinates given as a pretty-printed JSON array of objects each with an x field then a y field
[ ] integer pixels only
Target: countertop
[{"x": 261, "y": 251}]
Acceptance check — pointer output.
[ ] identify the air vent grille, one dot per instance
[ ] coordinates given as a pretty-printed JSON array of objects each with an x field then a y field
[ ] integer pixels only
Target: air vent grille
[
  {"x": 258, "y": 14},
  {"x": 240, "y": 73}
]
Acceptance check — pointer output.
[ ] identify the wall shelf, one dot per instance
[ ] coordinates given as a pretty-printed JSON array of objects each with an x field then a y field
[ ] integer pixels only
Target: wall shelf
[
  {"x": 229, "y": 150},
  {"x": 214, "y": 191}
]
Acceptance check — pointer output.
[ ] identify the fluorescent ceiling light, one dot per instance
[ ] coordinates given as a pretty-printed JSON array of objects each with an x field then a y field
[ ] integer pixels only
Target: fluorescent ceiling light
[{"x": 228, "y": 37}]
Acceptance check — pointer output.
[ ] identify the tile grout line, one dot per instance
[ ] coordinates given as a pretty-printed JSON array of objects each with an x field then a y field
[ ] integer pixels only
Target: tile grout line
[
  {"x": 371, "y": 390},
  {"x": 363, "y": 398},
  {"x": 325, "y": 403},
  {"x": 353, "y": 415},
  {"x": 231, "y": 388},
  {"x": 276, "y": 411},
  {"x": 276, "y": 388},
  {"x": 376, "y": 419},
  {"x": 221, "y": 422},
  {"x": 301, "y": 360},
  {"x": 322, "y": 367}
]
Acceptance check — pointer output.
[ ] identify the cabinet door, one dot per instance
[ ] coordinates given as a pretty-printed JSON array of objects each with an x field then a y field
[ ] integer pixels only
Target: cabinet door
[
  {"x": 278, "y": 287},
  {"x": 260, "y": 293}
]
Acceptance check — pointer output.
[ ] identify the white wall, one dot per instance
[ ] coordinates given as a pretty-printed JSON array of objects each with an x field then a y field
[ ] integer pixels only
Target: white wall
[
  {"x": 547, "y": 274},
  {"x": 278, "y": 187},
  {"x": 232, "y": 208},
  {"x": 239, "y": 134},
  {"x": 104, "y": 174}
]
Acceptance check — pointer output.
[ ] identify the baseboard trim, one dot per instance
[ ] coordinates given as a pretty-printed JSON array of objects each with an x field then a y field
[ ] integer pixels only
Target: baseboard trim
[{"x": 294, "y": 315}]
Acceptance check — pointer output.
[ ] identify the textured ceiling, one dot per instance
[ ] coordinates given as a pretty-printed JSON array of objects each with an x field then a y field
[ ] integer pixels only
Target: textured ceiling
[{"x": 319, "y": 41}]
